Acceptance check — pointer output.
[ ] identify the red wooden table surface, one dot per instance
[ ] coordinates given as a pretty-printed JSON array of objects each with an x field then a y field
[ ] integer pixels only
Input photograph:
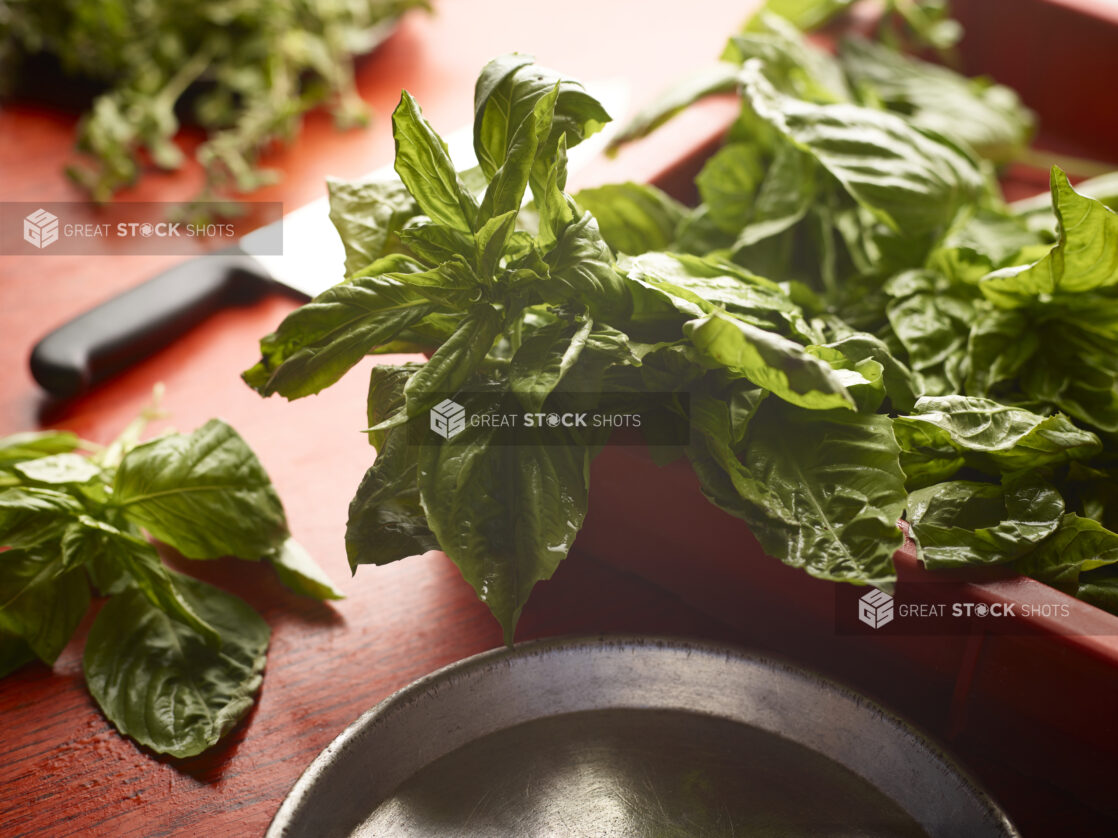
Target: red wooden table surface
[{"x": 63, "y": 768}]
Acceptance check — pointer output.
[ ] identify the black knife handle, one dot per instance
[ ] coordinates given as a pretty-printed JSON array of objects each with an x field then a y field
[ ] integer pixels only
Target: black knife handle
[{"x": 108, "y": 338}]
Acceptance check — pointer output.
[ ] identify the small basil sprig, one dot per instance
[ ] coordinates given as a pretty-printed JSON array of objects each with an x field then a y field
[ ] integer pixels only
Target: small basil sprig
[{"x": 173, "y": 662}]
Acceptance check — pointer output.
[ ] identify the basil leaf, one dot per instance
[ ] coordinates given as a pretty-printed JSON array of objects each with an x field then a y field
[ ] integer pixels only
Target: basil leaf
[
  {"x": 41, "y": 602},
  {"x": 317, "y": 344},
  {"x": 298, "y": 570},
  {"x": 143, "y": 569},
  {"x": 1085, "y": 258},
  {"x": 992, "y": 436},
  {"x": 985, "y": 116},
  {"x": 34, "y": 444},
  {"x": 158, "y": 681},
  {"x": 30, "y": 516},
  {"x": 728, "y": 185},
  {"x": 451, "y": 285},
  {"x": 204, "y": 493},
  {"x": 58, "y": 469},
  {"x": 1100, "y": 588},
  {"x": 965, "y": 522},
  {"x": 505, "y": 192},
  {"x": 908, "y": 180},
  {"x": 582, "y": 269},
  {"x": 369, "y": 217},
  {"x": 437, "y": 243},
  {"x": 1000, "y": 344},
  {"x": 386, "y": 395},
  {"x": 899, "y": 384},
  {"x": 794, "y": 64},
  {"x": 425, "y": 167},
  {"x": 506, "y": 515},
  {"x": 768, "y": 360},
  {"x": 931, "y": 322},
  {"x": 386, "y": 520},
  {"x": 455, "y": 361},
  {"x": 709, "y": 283},
  {"x": 1077, "y": 546},
  {"x": 825, "y": 491},
  {"x": 544, "y": 358},
  {"x": 508, "y": 92},
  {"x": 632, "y": 217}
]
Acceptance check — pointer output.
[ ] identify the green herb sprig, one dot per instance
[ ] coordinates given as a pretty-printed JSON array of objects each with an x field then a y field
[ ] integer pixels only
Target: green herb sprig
[{"x": 173, "y": 662}]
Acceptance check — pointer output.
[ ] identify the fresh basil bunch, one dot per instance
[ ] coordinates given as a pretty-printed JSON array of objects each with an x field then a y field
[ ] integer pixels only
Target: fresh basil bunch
[
  {"x": 172, "y": 661},
  {"x": 865, "y": 330}
]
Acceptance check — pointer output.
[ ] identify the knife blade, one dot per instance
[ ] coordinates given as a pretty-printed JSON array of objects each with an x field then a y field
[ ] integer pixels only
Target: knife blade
[{"x": 107, "y": 339}]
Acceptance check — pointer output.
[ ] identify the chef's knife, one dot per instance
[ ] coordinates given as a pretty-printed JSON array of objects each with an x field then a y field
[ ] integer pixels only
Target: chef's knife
[{"x": 128, "y": 327}]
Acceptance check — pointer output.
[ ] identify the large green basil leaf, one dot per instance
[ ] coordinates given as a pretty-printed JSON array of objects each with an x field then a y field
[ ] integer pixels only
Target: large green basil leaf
[
  {"x": 369, "y": 217},
  {"x": 158, "y": 681},
  {"x": 705, "y": 284},
  {"x": 41, "y": 601},
  {"x": 318, "y": 343},
  {"x": 505, "y": 192},
  {"x": 505, "y": 514},
  {"x": 992, "y": 436},
  {"x": 633, "y": 217},
  {"x": 425, "y": 167},
  {"x": 833, "y": 491},
  {"x": 507, "y": 94},
  {"x": 768, "y": 360},
  {"x": 1085, "y": 259},
  {"x": 204, "y": 493},
  {"x": 1077, "y": 546},
  {"x": 909, "y": 180},
  {"x": 34, "y": 444},
  {"x": 965, "y": 523}
]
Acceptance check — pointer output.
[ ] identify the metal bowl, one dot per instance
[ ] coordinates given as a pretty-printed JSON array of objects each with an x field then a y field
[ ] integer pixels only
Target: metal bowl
[{"x": 624, "y": 736}]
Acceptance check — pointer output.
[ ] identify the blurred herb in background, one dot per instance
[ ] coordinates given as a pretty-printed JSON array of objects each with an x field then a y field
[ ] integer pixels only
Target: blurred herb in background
[{"x": 244, "y": 71}]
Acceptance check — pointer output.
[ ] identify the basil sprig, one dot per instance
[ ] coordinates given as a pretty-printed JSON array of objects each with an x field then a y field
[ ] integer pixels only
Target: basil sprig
[{"x": 173, "y": 662}]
